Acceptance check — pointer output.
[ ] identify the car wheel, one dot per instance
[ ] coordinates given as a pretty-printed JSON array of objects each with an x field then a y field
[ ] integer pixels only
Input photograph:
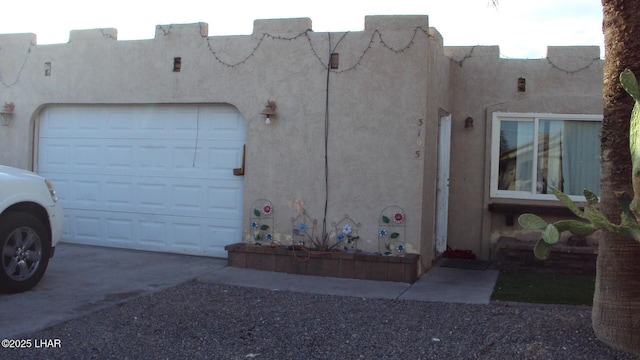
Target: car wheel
[{"x": 25, "y": 249}]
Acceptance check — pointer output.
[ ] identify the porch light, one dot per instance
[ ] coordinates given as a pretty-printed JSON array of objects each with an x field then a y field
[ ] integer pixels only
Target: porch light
[
  {"x": 7, "y": 113},
  {"x": 269, "y": 111}
]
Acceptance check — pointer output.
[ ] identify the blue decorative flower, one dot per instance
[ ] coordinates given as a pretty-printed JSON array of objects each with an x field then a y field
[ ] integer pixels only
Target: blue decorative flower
[
  {"x": 254, "y": 225},
  {"x": 346, "y": 229},
  {"x": 269, "y": 237},
  {"x": 382, "y": 233},
  {"x": 302, "y": 227},
  {"x": 339, "y": 237},
  {"x": 400, "y": 248}
]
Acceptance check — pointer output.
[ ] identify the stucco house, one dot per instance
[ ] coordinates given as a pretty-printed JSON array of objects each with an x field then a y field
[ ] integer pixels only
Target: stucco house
[{"x": 162, "y": 144}]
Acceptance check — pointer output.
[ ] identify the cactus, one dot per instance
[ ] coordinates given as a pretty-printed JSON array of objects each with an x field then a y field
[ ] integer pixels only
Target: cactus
[{"x": 592, "y": 218}]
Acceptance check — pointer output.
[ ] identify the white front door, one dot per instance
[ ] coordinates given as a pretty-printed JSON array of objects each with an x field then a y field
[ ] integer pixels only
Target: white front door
[
  {"x": 147, "y": 177},
  {"x": 442, "y": 186}
]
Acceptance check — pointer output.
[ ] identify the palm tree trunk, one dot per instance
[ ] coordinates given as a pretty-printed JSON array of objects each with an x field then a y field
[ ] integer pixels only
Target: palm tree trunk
[{"x": 616, "y": 303}]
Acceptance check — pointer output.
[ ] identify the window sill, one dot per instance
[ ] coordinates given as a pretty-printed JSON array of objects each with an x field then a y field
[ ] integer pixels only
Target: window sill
[{"x": 512, "y": 210}]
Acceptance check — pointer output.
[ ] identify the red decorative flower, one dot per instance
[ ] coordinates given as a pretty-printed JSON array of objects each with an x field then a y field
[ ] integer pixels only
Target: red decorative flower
[
  {"x": 398, "y": 217},
  {"x": 267, "y": 209}
]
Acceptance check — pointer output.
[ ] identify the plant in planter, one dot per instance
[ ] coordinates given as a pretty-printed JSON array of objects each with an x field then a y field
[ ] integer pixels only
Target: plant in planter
[{"x": 343, "y": 237}]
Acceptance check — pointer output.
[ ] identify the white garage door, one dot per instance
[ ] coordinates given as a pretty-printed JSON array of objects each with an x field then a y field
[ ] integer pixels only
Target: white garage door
[{"x": 156, "y": 178}]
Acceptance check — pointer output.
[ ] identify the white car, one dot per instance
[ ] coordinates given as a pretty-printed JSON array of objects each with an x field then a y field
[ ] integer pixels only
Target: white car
[{"x": 31, "y": 222}]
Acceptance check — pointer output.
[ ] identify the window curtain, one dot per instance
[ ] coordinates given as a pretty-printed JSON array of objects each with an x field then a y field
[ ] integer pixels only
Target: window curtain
[
  {"x": 581, "y": 157},
  {"x": 516, "y": 155},
  {"x": 550, "y": 166},
  {"x": 524, "y": 164}
]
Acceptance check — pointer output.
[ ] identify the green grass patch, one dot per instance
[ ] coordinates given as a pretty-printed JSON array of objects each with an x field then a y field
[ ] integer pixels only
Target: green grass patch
[{"x": 544, "y": 288}]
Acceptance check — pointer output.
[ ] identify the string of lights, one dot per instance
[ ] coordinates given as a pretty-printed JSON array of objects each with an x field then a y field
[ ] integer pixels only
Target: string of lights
[
  {"x": 401, "y": 50},
  {"x": 166, "y": 30},
  {"x": 375, "y": 35},
  {"x": 416, "y": 30},
  {"x": 553, "y": 65},
  {"x": 466, "y": 56},
  {"x": 107, "y": 34},
  {"x": 24, "y": 62},
  {"x": 306, "y": 35},
  {"x": 571, "y": 72}
]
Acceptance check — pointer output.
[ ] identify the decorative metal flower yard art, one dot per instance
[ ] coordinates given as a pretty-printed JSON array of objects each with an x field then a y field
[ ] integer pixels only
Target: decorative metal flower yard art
[
  {"x": 261, "y": 221},
  {"x": 303, "y": 229},
  {"x": 346, "y": 231},
  {"x": 391, "y": 231},
  {"x": 304, "y": 233}
]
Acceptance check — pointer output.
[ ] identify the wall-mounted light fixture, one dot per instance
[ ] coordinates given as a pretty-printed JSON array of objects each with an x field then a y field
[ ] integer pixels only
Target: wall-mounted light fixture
[
  {"x": 269, "y": 111},
  {"x": 468, "y": 122},
  {"x": 522, "y": 84},
  {"x": 7, "y": 113}
]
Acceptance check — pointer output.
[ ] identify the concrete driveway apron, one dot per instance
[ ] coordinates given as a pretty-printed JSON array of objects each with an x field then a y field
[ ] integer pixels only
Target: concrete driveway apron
[{"x": 82, "y": 279}]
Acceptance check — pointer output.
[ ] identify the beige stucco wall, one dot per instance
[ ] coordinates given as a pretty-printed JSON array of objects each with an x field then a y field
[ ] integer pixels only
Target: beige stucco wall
[
  {"x": 383, "y": 102},
  {"x": 394, "y": 79},
  {"x": 568, "y": 81}
]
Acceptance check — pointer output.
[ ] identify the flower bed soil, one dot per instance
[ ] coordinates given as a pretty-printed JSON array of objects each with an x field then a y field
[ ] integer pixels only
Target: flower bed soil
[{"x": 517, "y": 256}]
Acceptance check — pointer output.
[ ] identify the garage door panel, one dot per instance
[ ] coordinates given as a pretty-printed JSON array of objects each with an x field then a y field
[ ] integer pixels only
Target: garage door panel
[
  {"x": 218, "y": 233},
  {"x": 153, "y": 177},
  {"x": 152, "y": 196},
  {"x": 155, "y": 233},
  {"x": 155, "y": 158},
  {"x": 224, "y": 198},
  {"x": 221, "y": 200},
  {"x": 144, "y": 158},
  {"x": 118, "y": 157},
  {"x": 87, "y": 227},
  {"x": 120, "y": 193},
  {"x": 188, "y": 236},
  {"x": 155, "y": 121},
  {"x": 225, "y": 158},
  {"x": 83, "y": 155},
  {"x": 221, "y": 124},
  {"x": 54, "y": 154},
  {"x": 119, "y": 230},
  {"x": 182, "y": 122},
  {"x": 149, "y": 195},
  {"x": 64, "y": 121},
  {"x": 186, "y": 197},
  {"x": 90, "y": 122},
  {"x": 87, "y": 193}
]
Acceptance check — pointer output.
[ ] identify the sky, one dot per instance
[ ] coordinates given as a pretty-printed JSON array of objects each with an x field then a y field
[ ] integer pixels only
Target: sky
[{"x": 522, "y": 28}]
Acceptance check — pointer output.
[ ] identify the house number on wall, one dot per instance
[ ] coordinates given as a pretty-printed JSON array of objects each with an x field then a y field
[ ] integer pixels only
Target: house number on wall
[{"x": 419, "y": 141}]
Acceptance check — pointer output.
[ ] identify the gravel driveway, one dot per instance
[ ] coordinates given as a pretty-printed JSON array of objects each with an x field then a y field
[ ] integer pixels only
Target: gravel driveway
[{"x": 213, "y": 321}]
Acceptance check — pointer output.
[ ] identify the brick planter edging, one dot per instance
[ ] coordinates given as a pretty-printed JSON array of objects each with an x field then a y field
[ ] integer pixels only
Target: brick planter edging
[
  {"x": 516, "y": 255},
  {"x": 352, "y": 265}
]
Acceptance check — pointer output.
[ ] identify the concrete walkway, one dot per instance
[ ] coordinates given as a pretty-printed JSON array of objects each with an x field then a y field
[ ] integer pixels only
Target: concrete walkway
[
  {"x": 440, "y": 284},
  {"x": 83, "y": 279}
]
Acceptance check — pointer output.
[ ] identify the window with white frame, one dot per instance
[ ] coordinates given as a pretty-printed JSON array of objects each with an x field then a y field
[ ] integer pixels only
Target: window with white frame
[{"x": 531, "y": 153}]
